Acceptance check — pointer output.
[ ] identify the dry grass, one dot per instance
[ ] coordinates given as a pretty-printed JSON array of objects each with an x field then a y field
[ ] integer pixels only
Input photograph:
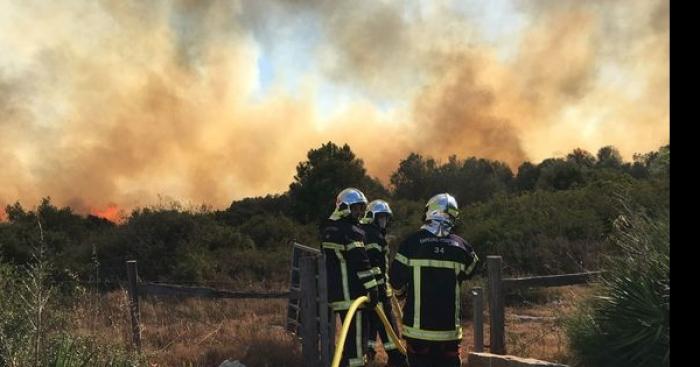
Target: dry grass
[
  {"x": 193, "y": 332},
  {"x": 543, "y": 339},
  {"x": 202, "y": 332},
  {"x": 544, "y": 336}
]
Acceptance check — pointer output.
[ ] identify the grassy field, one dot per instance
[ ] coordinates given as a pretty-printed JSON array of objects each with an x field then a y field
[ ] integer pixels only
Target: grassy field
[
  {"x": 193, "y": 332},
  {"x": 203, "y": 332}
]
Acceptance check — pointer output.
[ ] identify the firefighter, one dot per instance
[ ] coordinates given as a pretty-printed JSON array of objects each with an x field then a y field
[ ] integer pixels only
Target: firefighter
[
  {"x": 428, "y": 269},
  {"x": 350, "y": 274},
  {"x": 375, "y": 223}
]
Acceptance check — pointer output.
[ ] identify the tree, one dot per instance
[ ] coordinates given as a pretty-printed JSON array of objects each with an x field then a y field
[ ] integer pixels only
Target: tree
[
  {"x": 470, "y": 180},
  {"x": 413, "y": 179},
  {"x": 660, "y": 165},
  {"x": 527, "y": 177},
  {"x": 480, "y": 179},
  {"x": 582, "y": 158},
  {"x": 328, "y": 170},
  {"x": 609, "y": 157},
  {"x": 654, "y": 164},
  {"x": 558, "y": 174},
  {"x": 242, "y": 210},
  {"x": 15, "y": 213}
]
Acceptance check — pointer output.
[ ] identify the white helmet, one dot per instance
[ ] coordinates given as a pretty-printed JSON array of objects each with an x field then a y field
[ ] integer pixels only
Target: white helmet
[
  {"x": 442, "y": 208},
  {"x": 346, "y": 198},
  {"x": 374, "y": 208}
]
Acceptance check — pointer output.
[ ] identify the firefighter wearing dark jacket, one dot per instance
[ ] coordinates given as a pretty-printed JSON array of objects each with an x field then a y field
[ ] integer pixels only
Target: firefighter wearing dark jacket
[
  {"x": 350, "y": 274},
  {"x": 428, "y": 270},
  {"x": 375, "y": 223}
]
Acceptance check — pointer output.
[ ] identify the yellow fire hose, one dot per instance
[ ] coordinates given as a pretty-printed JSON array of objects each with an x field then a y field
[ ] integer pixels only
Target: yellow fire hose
[
  {"x": 397, "y": 307},
  {"x": 346, "y": 327}
]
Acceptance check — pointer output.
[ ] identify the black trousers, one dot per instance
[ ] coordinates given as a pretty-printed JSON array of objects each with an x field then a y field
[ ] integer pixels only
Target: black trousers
[
  {"x": 426, "y": 353},
  {"x": 376, "y": 326},
  {"x": 355, "y": 348}
]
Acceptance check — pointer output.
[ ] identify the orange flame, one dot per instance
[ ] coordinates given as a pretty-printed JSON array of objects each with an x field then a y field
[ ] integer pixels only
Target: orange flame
[{"x": 111, "y": 213}]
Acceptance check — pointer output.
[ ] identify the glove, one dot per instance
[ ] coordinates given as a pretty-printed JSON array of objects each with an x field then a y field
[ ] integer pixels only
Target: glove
[
  {"x": 373, "y": 297},
  {"x": 381, "y": 289},
  {"x": 400, "y": 294}
]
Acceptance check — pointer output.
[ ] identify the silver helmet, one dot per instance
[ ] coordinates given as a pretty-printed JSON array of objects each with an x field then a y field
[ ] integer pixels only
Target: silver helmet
[
  {"x": 375, "y": 207},
  {"x": 442, "y": 208},
  {"x": 346, "y": 198}
]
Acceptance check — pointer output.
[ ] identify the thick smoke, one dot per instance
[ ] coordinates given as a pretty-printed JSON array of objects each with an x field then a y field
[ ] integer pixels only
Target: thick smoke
[{"x": 111, "y": 104}]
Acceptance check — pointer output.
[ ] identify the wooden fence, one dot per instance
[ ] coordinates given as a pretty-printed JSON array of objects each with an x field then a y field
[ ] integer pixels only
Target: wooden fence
[
  {"x": 497, "y": 287},
  {"x": 307, "y": 297},
  {"x": 308, "y": 300}
]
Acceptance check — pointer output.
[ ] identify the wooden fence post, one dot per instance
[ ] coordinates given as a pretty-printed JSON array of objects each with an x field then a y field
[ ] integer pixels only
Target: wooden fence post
[
  {"x": 327, "y": 328},
  {"x": 478, "y": 304},
  {"x": 309, "y": 304},
  {"x": 496, "y": 305},
  {"x": 132, "y": 274}
]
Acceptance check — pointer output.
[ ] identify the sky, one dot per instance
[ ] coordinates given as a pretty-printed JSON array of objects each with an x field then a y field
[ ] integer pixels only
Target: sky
[{"x": 116, "y": 104}]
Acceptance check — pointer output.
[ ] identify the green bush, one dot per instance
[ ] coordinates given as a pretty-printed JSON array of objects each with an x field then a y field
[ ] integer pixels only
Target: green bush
[
  {"x": 559, "y": 228},
  {"x": 80, "y": 352},
  {"x": 31, "y": 328},
  {"x": 629, "y": 324}
]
